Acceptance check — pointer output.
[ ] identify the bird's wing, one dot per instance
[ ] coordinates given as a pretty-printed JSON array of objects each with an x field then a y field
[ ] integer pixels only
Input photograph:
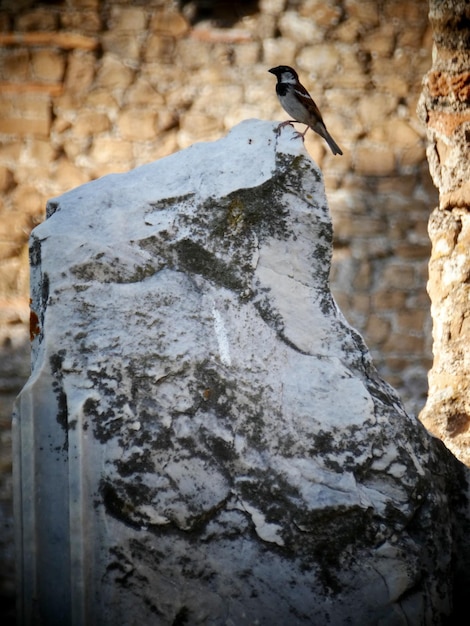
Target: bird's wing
[{"x": 307, "y": 101}]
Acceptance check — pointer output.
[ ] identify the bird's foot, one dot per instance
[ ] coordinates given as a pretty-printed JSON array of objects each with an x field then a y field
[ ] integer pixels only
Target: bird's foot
[
  {"x": 296, "y": 135},
  {"x": 281, "y": 125}
]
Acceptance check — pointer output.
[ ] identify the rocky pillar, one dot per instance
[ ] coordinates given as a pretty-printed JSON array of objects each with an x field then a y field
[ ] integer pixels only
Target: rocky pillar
[
  {"x": 445, "y": 108},
  {"x": 203, "y": 438}
]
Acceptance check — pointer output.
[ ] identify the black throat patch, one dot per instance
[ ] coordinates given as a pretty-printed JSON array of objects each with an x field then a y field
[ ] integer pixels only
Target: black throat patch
[{"x": 282, "y": 88}]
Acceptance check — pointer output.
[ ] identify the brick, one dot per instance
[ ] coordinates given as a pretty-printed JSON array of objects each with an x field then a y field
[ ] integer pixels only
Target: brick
[
  {"x": 14, "y": 276},
  {"x": 6, "y": 179},
  {"x": 101, "y": 99},
  {"x": 137, "y": 124},
  {"x": 366, "y": 226},
  {"x": 263, "y": 27},
  {"x": 374, "y": 108},
  {"x": 69, "y": 176},
  {"x": 111, "y": 150},
  {"x": 400, "y": 134},
  {"x": 27, "y": 106},
  {"x": 89, "y": 123},
  {"x": 388, "y": 300},
  {"x": 41, "y": 151},
  {"x": 319, "y": 61},
  {"x": 48, "y": 65},
  {"x": 272, "y": 7},
  {"x": 141, "y": 92},
  {"x": 377, "y": 329},
  {"x": 413, "y": 39},
  {"x": 392, "y": 83},
  {"x": 125, "y": 45},
  {"x": 80, "y": 71},
  {"x": 247, "y": 53},
  {"x": 362, "y": 278},
  {"x": 366, "y": 11},
  {"x": 28, "y": 200},
  {"x": 159, "y": 47},
  {"x": 75, "y": 147},
  {"x": 403, "y": 343},
  {"x": 37, "y": 20},
  {"x": 324, "y": 14},
  {"x": 13, "y": 225},
  {"x": 165, "y": 144},
  {"x": 10, "y": 151},
  {"x": 302, "y": 30},
  {"x": 197, "y": 127},
  {"x": 169, "y": 23},
  {"x": 21, "y": 126},
  {"x": 372, "y": 161},
  {"x": 361, "y": 303},
  {"x": 83, "y": 21},
  {"x": 238, "y": 114},
  {"x": 193, "y": 54},
  {"x": 60, "y": 124},
  {"x": 15, "y": 65},
  {"x": 113, "y": 74},
  {"x": 218, "y": 99},
  {"x": 381, "y": 41},
  {"x": 398, "y": 364},
  {"x": 278, "y": 51},
  {"x": 413, "y": 250},
  {"x": 419, "y": 300},
  {"x": 390, "y": 185},
  {"x": 348, "y": 30},
  {"x": 412, "y": 155},
  {"x": 409, "y": 12},
  {"x": 399, "y": 275},
  {"x": 412, "y": 320},
  {"x": 127, "y": 18}
]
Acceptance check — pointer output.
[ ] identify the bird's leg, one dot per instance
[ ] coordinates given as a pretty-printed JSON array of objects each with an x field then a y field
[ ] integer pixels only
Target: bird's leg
[{"x": 297, "y": 134}]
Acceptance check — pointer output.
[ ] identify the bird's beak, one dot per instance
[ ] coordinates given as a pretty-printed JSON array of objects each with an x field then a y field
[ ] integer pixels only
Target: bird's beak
[{"x": 272, "y": 70}]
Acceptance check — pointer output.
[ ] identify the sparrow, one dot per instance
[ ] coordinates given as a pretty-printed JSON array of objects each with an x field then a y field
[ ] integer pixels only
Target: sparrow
[{"x": 298, "y": 103}]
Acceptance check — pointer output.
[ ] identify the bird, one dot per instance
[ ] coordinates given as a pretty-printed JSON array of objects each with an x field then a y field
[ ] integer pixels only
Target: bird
[{"x": 299, "y": 104}]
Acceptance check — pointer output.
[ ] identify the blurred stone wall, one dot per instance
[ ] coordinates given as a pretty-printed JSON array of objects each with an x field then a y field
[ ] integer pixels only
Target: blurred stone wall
[{"x": 89, "y": 87}]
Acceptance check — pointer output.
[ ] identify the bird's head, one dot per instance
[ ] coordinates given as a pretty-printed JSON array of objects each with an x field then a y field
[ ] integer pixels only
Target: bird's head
[{"x": 285, "y": 74}]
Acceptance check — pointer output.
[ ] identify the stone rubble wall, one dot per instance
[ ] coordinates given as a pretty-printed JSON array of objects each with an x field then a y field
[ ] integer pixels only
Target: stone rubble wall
[{"x": 89, "y": 87}]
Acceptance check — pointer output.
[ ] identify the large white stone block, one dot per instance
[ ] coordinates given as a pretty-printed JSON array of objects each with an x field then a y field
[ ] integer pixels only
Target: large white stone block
[{"x": 204, "y": 439}]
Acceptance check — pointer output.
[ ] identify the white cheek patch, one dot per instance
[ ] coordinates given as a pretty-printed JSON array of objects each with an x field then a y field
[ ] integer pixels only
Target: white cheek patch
[{"x": 287, "y": 77}]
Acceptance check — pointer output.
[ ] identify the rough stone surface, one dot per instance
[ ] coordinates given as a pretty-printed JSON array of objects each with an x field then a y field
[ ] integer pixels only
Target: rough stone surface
[
  {"x": 203, "y": 438},
  {"x": 445, "y": 107}
]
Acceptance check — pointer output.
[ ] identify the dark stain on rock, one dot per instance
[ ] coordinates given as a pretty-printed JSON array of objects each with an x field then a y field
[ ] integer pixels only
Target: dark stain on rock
[
  {"x": 118, "y": 504},
  {"x": 34, "y": 327},
  {"x": 105, "y": 424},
  {"x": 35, "y": 251},
  {"x": 194, "y": 258},
  {"x": 56, "y": 361},
  {"x": 138, "y": 462},
  {"x": 182, "y": 617}
]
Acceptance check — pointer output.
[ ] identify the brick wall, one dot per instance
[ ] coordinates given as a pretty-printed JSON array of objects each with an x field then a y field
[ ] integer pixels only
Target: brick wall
[{"x": 89, "y": 87}]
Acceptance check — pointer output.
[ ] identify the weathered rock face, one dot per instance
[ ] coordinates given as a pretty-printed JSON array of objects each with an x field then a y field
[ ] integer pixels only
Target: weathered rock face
[
  {"x": 445, "y": 108},
  {"x": 203, "y": 438}
]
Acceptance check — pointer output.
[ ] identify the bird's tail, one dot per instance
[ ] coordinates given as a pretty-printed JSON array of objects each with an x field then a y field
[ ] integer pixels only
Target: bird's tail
[{"x": 335, "y": 149}]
